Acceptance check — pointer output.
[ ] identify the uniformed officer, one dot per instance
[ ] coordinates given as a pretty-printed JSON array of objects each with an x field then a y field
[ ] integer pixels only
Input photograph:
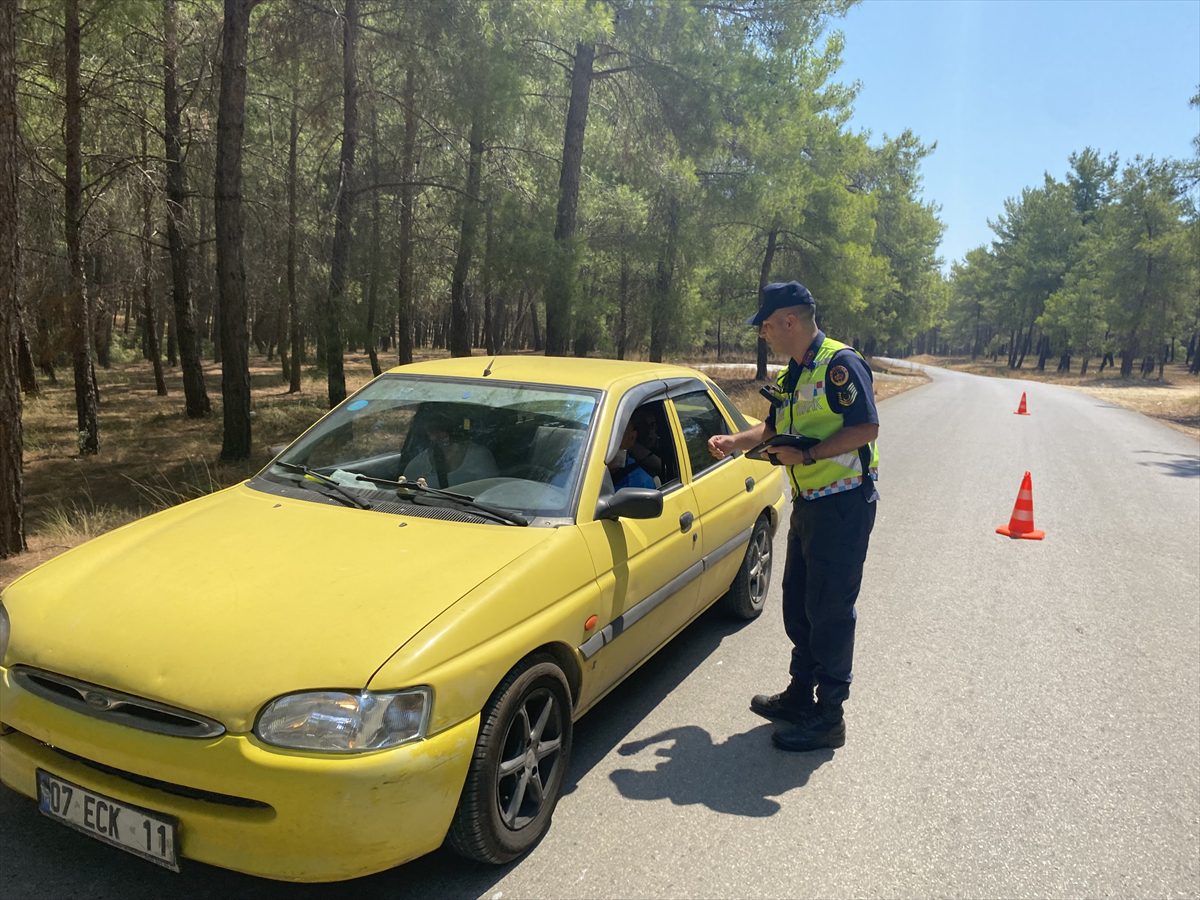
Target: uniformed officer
[{"x": 824, "y": 393}]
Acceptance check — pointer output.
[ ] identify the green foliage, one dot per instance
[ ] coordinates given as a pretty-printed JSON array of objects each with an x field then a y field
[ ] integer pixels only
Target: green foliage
[
  {"x": 710, "y": 126},
  {"x": 1099, "y": 263}
]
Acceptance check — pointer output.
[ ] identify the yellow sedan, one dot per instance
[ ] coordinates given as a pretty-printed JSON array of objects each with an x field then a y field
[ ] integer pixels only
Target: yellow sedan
[{"x": 381, "y": 641}]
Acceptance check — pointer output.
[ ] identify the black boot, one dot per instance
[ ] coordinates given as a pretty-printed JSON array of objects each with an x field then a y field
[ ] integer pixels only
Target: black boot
[
  {"x": 824, "y": 729},
  {"x": 793, "y": 705}
]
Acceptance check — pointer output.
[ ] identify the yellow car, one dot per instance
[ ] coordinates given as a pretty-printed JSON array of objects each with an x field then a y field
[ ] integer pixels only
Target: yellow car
[{"x": 381, "y": 641}]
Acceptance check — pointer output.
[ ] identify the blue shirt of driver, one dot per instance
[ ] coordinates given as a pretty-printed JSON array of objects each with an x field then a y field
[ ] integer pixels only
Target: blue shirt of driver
[{"x": 633, "y": 476}]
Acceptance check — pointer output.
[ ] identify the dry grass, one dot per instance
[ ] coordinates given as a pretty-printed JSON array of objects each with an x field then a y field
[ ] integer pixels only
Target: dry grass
[
  {"x": 1175, "y": 399},
  {"x": 152, "y": 456}
]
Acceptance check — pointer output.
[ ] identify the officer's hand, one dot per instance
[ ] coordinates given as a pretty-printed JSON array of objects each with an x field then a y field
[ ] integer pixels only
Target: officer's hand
[
  {"x": 721, "y": 445},
  {"x": 787, "y": 456}
]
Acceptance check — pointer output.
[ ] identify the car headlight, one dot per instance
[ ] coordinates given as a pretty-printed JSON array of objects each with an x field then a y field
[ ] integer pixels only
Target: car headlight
[{"x": 342, "y": 722}]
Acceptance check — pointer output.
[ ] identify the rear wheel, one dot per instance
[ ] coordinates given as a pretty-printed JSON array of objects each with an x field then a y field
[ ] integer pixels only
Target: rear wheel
[
  {"x": 748, "y": 594},
  {"x": 517, "y": 771}
]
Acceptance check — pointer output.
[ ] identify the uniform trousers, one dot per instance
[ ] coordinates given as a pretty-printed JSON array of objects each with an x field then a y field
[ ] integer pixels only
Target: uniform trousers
[{"x": 827, "y": 544}]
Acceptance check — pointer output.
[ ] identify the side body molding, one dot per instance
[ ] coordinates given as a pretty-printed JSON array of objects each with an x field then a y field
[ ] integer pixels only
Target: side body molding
[{"x": 624, "y": 622}]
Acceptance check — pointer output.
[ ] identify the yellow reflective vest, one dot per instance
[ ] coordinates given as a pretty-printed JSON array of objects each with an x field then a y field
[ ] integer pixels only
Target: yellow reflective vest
[{"x": 806, "y": 411}]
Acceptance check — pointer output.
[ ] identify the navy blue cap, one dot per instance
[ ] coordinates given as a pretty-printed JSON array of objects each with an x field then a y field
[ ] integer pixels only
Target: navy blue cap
[{"x": 781, "y": 295}]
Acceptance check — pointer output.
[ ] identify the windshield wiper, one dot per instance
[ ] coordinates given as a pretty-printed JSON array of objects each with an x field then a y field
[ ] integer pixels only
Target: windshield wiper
[
  {"x": 325, "y": 480},
  {"x": 462, "y": 499}
]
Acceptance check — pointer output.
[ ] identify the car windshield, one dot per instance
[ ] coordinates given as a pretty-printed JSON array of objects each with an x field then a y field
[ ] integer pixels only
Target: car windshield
[{"x": 511, "y": 447}]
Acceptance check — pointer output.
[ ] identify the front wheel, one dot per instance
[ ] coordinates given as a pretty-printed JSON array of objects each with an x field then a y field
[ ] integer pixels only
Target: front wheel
[
  {"x": 748, "y": 594},
  {"x": 517, "y": 771}
]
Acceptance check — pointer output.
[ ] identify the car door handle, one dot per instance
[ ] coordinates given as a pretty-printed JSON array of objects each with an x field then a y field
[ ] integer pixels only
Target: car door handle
[
  {"x": 685, "y": 522},
  {"x": 749, "y": 485}
]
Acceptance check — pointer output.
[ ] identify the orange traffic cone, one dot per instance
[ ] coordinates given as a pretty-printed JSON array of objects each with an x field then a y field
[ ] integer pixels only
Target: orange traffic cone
[
  {"x": 1021, "y": 410},
  {"x": 1021, "y": 523}
]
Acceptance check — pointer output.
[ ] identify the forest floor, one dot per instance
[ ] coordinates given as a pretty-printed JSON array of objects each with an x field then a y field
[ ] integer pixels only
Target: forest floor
[
  {"x": 152, "y": 456},
  {"x": 1175, "y": 399}
]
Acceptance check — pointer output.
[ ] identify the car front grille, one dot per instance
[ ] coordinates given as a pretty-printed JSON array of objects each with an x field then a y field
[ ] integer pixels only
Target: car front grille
[{"x": 115, "y": 706}]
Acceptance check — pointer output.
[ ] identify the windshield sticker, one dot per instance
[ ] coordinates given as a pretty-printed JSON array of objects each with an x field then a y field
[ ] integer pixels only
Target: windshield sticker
[{"x": 357, "y": 405}]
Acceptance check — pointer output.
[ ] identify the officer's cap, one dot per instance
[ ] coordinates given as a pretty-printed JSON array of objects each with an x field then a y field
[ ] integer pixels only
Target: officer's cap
[{"x": 781, "y": 295}]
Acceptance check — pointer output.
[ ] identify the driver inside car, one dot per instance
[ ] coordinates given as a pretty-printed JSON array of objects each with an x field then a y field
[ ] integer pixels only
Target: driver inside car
[
  {"x": 450, "y": 457},
  {"x": 625, "y": 470}
]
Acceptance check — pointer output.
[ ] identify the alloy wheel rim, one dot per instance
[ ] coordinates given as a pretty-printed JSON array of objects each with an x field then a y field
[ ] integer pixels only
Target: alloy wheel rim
[
  {"x": 760, "y": 567},
  {"x": 529, "y": 758}
]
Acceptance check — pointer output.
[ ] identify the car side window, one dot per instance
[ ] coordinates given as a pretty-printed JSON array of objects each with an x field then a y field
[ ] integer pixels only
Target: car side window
[
  {"x": 653, "y": 448},
  {"x": 701, "y": 419}
]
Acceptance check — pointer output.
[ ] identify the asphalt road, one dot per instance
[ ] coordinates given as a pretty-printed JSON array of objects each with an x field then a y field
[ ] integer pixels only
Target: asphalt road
[{"x": 1025, "y": 720}]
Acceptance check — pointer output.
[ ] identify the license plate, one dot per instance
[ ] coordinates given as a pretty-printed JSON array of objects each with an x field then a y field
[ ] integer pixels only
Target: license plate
[{"x": 139, "y": 831}]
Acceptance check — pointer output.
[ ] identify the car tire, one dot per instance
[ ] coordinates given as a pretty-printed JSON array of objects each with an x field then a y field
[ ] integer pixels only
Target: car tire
[
  {"x": 748, "y": 594},
  {"x": 517, "y": 770}
]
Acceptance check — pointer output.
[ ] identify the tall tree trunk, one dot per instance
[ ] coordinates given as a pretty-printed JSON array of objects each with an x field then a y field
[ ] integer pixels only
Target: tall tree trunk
[
  {"x": 1127, "y": 355},
  {"x": 25, "y": 366},
  {"x": 623, "y": 301},
  {"x": 1025, "y": 344},
  {"x": 81, "y": 337},
  {"x": 343, "y": 209},
  {"x": 147, "y": 271},
  {"x": 172, "y": 343},
  {"x": 561, "y": 283},
  {"x": 662, "y": 312},
  {"x": 764, "y": 278},
  {"x": 12, "y": 510},
  {"x": 187, "y": 339},
  {"x": 293, "y": 216},
  {"x": 100, "y": 313},
  {"x": 460, "y": 325},
  {"x": 977, "y": 344},
  {"x": 490, "y": 331},
  {"x": 404, "y": 278},
  {"x": 231, "y": 271},
  {"x": 373, "y": 250}
]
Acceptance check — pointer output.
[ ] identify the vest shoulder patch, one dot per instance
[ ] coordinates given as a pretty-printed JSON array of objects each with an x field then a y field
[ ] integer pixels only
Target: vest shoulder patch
[{"x": 839, "y": 375}]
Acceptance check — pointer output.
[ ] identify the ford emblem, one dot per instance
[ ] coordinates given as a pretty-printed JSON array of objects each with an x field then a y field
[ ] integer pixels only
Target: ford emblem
[{"x": 96, "y": 700}]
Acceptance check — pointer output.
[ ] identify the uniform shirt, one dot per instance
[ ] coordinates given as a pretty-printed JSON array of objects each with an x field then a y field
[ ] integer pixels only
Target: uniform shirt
[{"x": 854, "y": 400}]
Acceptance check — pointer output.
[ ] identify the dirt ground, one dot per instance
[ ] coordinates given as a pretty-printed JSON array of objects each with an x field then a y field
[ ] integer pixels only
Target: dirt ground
[{"x": 152, "y": 456}]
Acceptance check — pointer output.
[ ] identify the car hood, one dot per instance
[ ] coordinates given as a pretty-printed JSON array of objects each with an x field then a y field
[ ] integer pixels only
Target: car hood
[{"x": 223, "y": 603}]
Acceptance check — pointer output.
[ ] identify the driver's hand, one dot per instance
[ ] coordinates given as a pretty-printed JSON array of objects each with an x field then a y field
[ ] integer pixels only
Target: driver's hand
[{"x": 721, "y": 445}]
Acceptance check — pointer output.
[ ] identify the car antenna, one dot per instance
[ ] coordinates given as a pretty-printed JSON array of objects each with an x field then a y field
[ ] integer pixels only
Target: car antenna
[{"x": 488, "y": 370}]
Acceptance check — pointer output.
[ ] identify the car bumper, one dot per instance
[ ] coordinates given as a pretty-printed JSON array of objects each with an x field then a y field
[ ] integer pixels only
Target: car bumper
[{"x": 245, "y": 806}]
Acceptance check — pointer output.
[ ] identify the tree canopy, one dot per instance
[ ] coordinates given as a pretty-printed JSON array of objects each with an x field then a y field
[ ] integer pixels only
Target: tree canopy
[{"x": 611, "y": 177}]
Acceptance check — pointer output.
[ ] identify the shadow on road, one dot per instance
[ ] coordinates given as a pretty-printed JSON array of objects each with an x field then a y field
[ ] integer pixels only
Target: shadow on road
[
  {"x": 738, "y": 777},
  {"x": 1178, "y": 466},
  {"x": 611, "y": 720}
]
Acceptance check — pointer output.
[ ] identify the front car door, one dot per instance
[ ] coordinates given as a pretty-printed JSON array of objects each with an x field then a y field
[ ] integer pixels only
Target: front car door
[{"x": 649, "y": 572}]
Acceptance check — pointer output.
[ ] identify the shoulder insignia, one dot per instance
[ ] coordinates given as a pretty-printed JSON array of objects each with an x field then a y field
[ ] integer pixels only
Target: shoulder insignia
[
  {"x": 848, "y": 396},
  {"x": 839, "y": 376}
]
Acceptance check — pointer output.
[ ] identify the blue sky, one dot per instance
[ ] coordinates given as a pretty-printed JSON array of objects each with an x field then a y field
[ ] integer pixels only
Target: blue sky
[{"x": 1009, "y": 89}]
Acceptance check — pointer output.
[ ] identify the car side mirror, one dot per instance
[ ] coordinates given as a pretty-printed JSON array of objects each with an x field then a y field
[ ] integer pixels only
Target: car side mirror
[
  {"x": 276, "y": 449},
  {"x": 630, "y": 503}
]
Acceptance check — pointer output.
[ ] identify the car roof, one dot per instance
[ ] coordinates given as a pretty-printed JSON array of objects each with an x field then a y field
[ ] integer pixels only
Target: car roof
[{"x": 568, "y": 371}]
